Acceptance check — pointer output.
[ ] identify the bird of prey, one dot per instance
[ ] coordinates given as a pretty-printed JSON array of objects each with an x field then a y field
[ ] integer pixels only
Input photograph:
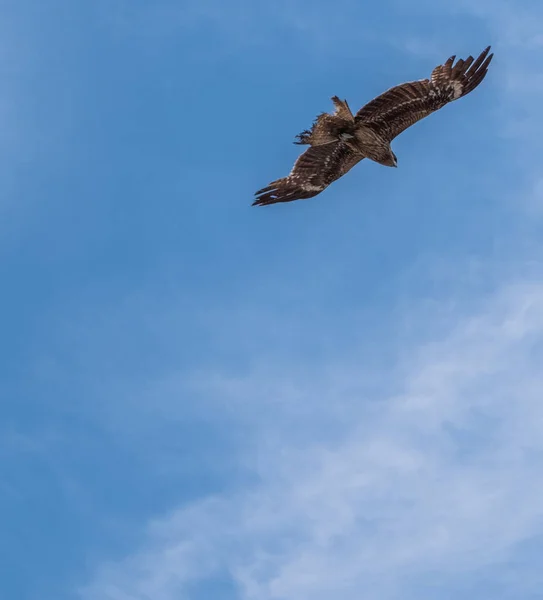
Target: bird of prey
[{"x": 338, "y": 141}]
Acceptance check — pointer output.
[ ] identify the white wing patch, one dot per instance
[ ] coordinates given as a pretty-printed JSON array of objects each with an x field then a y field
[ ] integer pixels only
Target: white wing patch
[
  {"x": 458, "y": 88},
  {"x": 312, "y": 188}
]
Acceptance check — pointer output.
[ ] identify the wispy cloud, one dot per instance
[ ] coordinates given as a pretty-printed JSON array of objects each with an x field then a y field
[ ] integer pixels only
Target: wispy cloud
[{"x": 438, "y": 480}]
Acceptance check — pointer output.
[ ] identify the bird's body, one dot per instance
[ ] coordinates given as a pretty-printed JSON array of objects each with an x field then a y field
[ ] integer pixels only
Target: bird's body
[{"x": 338, "y": 141}]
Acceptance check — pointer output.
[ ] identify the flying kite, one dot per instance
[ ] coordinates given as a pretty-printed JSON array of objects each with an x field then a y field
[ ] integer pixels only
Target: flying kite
[{"x": 338, "y": 141}]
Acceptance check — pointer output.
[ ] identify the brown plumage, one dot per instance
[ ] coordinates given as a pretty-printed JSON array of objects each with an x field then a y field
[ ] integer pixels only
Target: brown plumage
[
  {"x": 328, "y": 127},
  {"x": 338, "y": 141}
]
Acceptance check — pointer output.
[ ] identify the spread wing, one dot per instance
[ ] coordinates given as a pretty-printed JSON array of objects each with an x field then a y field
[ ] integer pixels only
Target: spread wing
[
  {"x": 402, "y": 106},
  {"x": 314, "y": 171}
]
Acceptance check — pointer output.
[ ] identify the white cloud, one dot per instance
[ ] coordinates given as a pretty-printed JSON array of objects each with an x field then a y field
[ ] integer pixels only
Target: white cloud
[{"x": 442, "y": 478}]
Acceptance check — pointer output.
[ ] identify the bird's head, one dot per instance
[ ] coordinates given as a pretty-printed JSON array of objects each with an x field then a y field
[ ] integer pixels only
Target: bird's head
[{"x": 389, "y": 160}]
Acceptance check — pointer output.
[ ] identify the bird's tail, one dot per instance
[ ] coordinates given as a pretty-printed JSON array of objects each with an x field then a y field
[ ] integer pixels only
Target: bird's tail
[
  {"x": 328, "y": 127},
  {"x": 342, "y": 109},
  {"x": 325, "y": 130},
  {"x": 304, "y": 137}
]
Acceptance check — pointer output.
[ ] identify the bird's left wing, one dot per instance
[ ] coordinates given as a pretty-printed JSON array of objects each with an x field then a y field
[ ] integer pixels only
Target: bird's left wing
[
  {"x": 400, "y": 107},
  {"x": 314, "y": 170}
]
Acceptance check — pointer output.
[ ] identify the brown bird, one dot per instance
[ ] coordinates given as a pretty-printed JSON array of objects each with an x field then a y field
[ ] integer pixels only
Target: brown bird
[{"x": 339, "y": 140}]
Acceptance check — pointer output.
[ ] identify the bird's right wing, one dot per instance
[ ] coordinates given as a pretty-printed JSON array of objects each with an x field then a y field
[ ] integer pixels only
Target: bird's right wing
[
  {"x": 314, "y": 170},
  {"x": 400, "y": 107}
]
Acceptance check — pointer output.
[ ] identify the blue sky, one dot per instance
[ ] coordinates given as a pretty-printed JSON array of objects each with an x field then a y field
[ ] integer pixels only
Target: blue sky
[{"x": 331, "y": 398}]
